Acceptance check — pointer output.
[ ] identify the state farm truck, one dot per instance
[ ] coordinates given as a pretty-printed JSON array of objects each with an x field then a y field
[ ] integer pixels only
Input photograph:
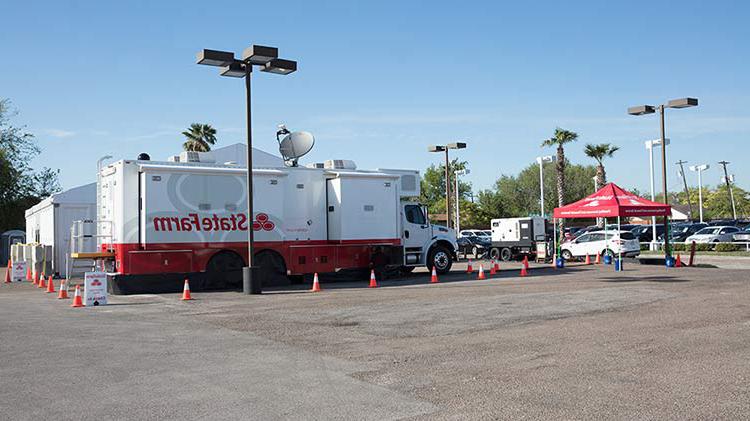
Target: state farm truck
[{"x": 160, "y": 222}]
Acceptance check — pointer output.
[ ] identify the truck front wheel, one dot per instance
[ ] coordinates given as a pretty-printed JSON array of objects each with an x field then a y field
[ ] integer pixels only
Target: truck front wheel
[{"x": 440, "y": 259}]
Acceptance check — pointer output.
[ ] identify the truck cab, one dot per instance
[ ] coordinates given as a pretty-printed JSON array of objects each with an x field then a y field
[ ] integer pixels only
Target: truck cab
[{"x": 424, "y": 243}]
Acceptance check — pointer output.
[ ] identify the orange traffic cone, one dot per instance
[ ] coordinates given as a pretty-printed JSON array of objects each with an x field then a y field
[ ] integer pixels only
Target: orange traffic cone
[
  {"x": 35, "y": 278},
  {"x": 526, "y": 262},
  {"x": 481, "y": 273},
  {"x": 28, "y": 274},
  {"x": 434, "y": 278},
  {"x": 678, "y": 262},
  {"x": 493, "y": 267},
  {"x": 588, "y": 259},
  {"x": 50, "y": 285},
  {"x": 316, "y": 284},
  {"x": 7, "y": 272},
  {"x": 186, "y": 292},
  {"x": 496, "y": 266},
  {"x": 524, "y": 271},
  {"x": 63, "y": 294},
  {"x": 42, "y": 283},
  {"x": 77, "y": 300},
  {"x": 373, "y": 281},
  {"x": 598, "y": 258},
  {"x": 469, "y": 269}
]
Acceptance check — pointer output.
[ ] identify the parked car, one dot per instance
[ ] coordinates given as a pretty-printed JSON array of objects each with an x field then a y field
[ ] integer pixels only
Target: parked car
[
  {"x": 623, "y": 227},
  {"x": 712, "y": 234},
  {"x": 742, "y": 236},
  {"x": 680, "y": 232},
  {"x": 644, "y": 233},
  {"x": 476, "y": 245},
  {"x": 593, "y": 243},
  {"x": 474, "y": 233}
]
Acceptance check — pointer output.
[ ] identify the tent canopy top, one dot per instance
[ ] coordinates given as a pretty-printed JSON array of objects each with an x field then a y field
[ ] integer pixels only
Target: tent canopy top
[{"x": 612, "y": 201}]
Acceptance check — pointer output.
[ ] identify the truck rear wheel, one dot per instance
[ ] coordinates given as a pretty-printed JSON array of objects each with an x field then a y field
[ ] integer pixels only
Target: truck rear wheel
[
  {"x": 271, "y": 268},
  {"x": 506, "y": 254},
  {"x": 440, "y": 259}
]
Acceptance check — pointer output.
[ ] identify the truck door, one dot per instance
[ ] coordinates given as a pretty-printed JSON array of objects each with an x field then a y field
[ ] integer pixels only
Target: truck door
[{"x": 417, "y": 231}]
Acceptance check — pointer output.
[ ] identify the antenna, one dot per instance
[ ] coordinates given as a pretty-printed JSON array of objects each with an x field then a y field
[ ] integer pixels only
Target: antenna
[{"x": 294, "y": 145}]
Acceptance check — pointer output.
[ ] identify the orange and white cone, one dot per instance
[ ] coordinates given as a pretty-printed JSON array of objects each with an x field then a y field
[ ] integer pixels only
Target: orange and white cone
[
  {"x": 526, "y": 262},
  {"x": 373, "y": 281},
  {"x": 598, "y": 259},
  {"x": 42, "y": 283},
  {"x": 434, "y": 278},
  {"x": 588, "y": 259},
  {"x": 77, "y": 300},
  {"x": 186, "y": 292},
  {"x": 481, "y": 273},
  {"x": 50, "y": 285},
  {"x": 524, "y": 271},
  {"x": 678, "y": 261},
  {"x": 7, "y": 272},
  {"x": 28, "y": 274},
  {"x": 469, "y": 269},
  {"x": 496, "y": 266},
  {"x": 316, "y": 284},
  {"x": 63, "y": 294},
  {"x": 493, "y": 269}
]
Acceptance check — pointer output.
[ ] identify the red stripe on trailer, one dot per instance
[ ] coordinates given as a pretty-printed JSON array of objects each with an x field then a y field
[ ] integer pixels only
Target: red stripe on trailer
[{"x": 300, "y": 256}]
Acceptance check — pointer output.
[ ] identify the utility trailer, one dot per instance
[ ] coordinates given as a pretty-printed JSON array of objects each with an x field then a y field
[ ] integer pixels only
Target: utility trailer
[
  {"x": 163, "y": 222},
  {"x": 513, "y": 238}
]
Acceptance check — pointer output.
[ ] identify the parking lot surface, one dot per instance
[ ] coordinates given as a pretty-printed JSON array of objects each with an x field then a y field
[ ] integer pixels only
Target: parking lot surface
[{"x": 580, "y": 343}]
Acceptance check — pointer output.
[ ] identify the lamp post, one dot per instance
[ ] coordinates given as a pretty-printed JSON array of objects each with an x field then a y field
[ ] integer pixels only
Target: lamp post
[
  {"x": 458, "y": 202},
  {"x": 267, "y": 59},
  {"x": 445, "y": 148},
  {"x": 541, "y": 160},
  {"x": 650, "y": 109},
  {"x": 699, "y": 169},
  {"x": 650, "y": 146}
]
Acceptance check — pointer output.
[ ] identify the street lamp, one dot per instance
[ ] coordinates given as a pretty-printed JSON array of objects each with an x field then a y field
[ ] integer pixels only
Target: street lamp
[
  {"x": 458, "y": 202},
  {"x": 266, "y": 59},
  {"x": 541, "y": 160},
  {"x": 445, "y": 148},
  {"x": 699, "y": 169},
  {"x": 650, "y": 146},
  {"x": 650, "y": 109}
]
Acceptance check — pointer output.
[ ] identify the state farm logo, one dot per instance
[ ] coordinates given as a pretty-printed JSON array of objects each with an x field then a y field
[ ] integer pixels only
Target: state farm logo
[
  {"x": 262, "y": 223},
  {"x": 96, "y": 283}
]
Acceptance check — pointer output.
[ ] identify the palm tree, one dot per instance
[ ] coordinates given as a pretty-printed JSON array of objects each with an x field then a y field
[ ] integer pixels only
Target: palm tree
[
  {"x": 200, "y": 137},
  {"x": 560, "y": 138},
  {"x": 599, "y": 152}
]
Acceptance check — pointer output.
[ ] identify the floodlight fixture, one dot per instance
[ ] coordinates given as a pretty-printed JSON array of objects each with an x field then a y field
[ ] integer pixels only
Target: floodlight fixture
[{"x": 214, "y": 58}]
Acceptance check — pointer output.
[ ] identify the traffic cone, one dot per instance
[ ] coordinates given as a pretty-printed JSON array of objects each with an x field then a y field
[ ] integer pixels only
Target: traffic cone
[
  {"x": 35, "y": 277},
  {"x": 588, "y": 259},
  {"x": 469, "y": 269},
  {"x": 186, "y": 292},
  {"x": 493, "y": 268},
  {"x": 50, "y": 285},
  {"x": 526, "y": 262},
  {"x": 63, "y": 294},
  {"x": 316, "y": 284},
  {"x": 678, "y": 262},
  {"x": 373, "y": 281},
  {"x": 7, "y": 272},
  {"x": 524, "y": 271},
  {"x": 434, "y": 278},
  {"x": 598, "y": 258},
  {"x": 481, "y": 273},
  {"x": 496, "y": 266},
  {"x": 77, "y": 300},
  {"x": 28, "y": 274},
  {"x": 42, "y": 283}
]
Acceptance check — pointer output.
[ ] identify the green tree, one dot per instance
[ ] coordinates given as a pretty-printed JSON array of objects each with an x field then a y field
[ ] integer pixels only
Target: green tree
[
  {"x": 599, "y": 152},
  {"x": 560, "y": 138},
  {"x": 433, "y": 186},
  {"x": 200, "y": 138},
  {"x": 717, "y": 202}
]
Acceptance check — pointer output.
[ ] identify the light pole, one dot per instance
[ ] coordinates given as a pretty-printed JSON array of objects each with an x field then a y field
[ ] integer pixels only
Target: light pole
[
  {"x": 699, "y": 169},
  {"x": 650, "y": 109},
  {"x": 267, "y": 59},
  {"x": 541, "y": 160},
  {"x": 650, "y": 146},
  {"x": 458, "y": 202},
  {"x": 445, "y": 148},
  {"x": 729, "y": 180}
]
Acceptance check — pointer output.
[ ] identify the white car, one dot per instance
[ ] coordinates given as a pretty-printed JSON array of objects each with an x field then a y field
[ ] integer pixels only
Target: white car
[
  {"x": 713, "y": 235},
  {"x": 474, "y": 233},
  {"x": 593, "y": 243}
]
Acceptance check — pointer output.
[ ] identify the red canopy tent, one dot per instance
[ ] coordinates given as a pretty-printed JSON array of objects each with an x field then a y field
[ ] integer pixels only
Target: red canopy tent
[{"x": 612, "y": 201}]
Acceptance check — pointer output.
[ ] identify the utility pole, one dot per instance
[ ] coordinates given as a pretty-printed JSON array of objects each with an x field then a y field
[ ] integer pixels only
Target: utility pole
[
  {"x": 728, "y": 180},
  {"x": 687, "y": 192}
]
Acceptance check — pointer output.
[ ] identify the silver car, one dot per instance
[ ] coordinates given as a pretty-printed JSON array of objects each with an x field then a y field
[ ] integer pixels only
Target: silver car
[{"x": 713, "y": 235}]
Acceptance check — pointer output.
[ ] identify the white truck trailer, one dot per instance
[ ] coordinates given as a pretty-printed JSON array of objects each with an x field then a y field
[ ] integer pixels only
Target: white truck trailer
[
  {"x": 516, "y": 237},
  {"x": 162, "y": 222}
]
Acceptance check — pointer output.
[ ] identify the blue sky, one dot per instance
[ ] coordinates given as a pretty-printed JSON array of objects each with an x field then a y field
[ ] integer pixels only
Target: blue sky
[{"x": 379, "y": 81}]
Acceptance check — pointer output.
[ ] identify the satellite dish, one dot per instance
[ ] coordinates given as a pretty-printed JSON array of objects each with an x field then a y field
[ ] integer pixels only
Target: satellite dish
[{"x": 295, "y": 145}]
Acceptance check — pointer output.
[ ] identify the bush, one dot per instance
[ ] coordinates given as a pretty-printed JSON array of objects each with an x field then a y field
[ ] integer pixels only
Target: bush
[
  {"x": 678, "y": 247},
  {"x": 725, "y": 247},
  {"x": 703, "y": 247},
  {"x": 644, "y": 247}
]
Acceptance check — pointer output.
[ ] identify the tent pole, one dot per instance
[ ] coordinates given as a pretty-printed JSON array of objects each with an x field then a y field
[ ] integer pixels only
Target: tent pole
[
  {"x": 619, "y": 230},
  {"x": 606, "y": 238},
  {"x": 554, "y": 241}
]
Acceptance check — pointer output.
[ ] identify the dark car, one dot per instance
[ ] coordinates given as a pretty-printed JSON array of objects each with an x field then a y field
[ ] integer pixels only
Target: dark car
[
  {"x": 475, "y": 245},
  {"x": 644, "y": 233},
  {"x": 680, "y": 232}
]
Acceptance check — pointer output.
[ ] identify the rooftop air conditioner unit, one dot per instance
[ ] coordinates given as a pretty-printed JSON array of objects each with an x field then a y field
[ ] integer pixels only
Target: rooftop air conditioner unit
[
  {"x": 174, "y": 158},
  {"x": 196, "y": 157},
  {"x": 316, "y": 165},
  {"x": 340, "y": 164}
]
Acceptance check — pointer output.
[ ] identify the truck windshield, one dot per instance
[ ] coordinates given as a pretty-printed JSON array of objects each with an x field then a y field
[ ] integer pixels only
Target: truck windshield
[{"x": 414, "y": 214}]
